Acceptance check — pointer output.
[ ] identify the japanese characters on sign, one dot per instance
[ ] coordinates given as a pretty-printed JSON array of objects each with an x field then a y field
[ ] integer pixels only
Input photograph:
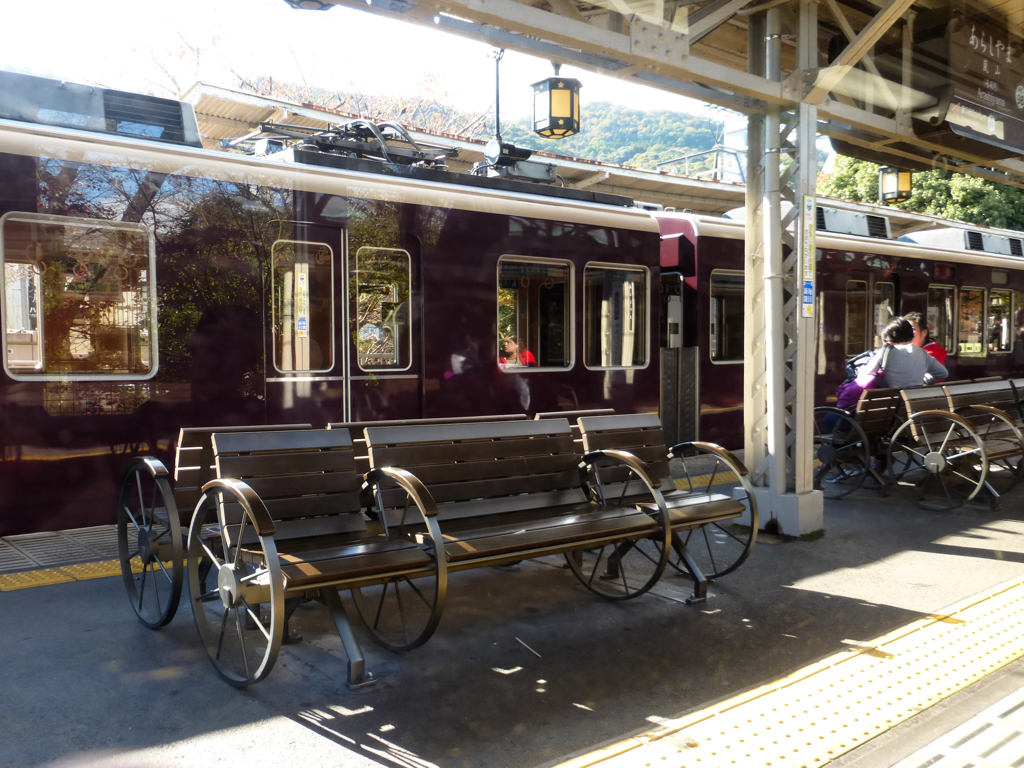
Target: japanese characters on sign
[{"x": 986, "y": 65}]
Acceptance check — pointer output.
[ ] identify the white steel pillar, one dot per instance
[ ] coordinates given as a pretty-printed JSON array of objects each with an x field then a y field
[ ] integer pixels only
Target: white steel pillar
[{"x": 780, "y": 291}]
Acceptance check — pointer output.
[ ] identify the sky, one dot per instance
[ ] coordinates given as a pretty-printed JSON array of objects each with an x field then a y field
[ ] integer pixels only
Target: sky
[{"x": 164, "y": 46}]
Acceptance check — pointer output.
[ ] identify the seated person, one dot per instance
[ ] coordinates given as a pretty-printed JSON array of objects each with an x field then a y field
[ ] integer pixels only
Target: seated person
[
  {"x": 510, "y": 354},
  {"x": 923, "y": 337},
  {"x": 906, "y": 365}
]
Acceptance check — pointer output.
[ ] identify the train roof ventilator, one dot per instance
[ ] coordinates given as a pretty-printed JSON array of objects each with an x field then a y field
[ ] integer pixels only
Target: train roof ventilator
[
  {"x": 957, "y": 239},
  {"x": 46, "y": 101},
  {"x": 837, "y": 221}
]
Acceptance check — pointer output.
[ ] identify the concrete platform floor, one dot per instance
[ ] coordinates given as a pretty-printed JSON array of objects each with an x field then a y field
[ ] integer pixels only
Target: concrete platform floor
[{"x": 526, "y": 669}]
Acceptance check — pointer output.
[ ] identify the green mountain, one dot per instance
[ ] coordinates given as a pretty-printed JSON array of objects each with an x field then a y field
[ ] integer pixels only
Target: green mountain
[{"x": 609, "y": 133}]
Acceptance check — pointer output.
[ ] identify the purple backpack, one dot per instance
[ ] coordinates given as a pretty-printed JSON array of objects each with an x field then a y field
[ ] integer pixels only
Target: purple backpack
[{"x": 849, "y": 391}]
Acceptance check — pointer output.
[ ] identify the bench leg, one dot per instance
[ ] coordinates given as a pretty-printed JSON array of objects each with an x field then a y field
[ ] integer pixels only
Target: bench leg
[
  {"x": 700, "y": 582},
  {"x": 358, "y": 677}
]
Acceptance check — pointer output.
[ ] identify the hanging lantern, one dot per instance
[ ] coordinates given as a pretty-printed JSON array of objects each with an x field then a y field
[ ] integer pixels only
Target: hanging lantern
[
  {"x": 894, "y": 185},
  {"x": 310, "y": 5},
  {"x": 556, "y": 107}
]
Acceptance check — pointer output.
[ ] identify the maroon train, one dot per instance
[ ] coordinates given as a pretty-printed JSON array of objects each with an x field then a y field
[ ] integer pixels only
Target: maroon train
[{"x": 152, "y": 284}]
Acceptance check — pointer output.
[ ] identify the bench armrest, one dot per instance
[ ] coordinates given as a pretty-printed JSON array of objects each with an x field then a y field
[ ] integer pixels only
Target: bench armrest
[
  {"x": 621, "y": 457},
  {"x": 247, "y": 498},
  {"x": 413, "y": 486},
  {"x": 156, "y": 467},
  {"x": 727, "y": 456},
  {"x": 635, "y": 465},
  {"x": 996, "y": 413}
]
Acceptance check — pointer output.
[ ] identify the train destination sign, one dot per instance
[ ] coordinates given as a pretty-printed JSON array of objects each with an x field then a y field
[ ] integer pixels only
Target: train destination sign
[{"x": 986, "y": 66}]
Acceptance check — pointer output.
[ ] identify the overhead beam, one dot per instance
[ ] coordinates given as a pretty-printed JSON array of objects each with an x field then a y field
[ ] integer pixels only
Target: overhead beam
[
  {"x": 856, "y": 50},
  {"x": 711, "y": 16},
  {"x": 654, "y": 46},
  {"x": 655, "y": 52}
]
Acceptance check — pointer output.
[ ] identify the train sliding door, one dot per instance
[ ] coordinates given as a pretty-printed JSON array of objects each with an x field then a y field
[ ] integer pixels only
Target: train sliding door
[
  {"x": 385, "y": 375},
  {"x": 305, "y": 361}
]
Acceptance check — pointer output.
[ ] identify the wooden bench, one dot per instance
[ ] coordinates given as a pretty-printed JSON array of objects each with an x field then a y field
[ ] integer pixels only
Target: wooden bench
[
  {"x": 947, "y": 444},
  {"x": 990, "y": 407},
  {"x": 152, "y": 514},
  {"x": 711, "y": 504},
  {"x": 849, "y": 444},
  {"x": 286, "y": 520}
]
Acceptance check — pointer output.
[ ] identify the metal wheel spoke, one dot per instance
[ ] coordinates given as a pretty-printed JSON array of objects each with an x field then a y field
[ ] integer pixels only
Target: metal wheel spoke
[
  {"x": 645, "y": 555},
  {"x": 257, "y": 621},
  {"x": 380, "y": 605},
  {"x": 131, "y": 517},
  {"x": 223, "y": 630},
  {"x": 142, "y": 586},
  {"x": 416, "y": 590},
  {"x": 241, "y": 641},
  {"x": 209, "y": 596},
  {"x": 597, "y": 566},
  {"x": 209, "y": 553},
  {"x": 707, "y": 546}
]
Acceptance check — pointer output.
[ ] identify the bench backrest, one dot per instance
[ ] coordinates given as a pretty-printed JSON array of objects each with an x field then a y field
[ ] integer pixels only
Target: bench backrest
[
  {"x": 1018, "y": 391},
  {"x": 932, "y": 398},
  {"x": 877, "y": 411},
  {"x": 193, "y": 460},
  {"x": 638, "y": 433},
  {"x": 476, "y": 469},
  {"x": 574, "y": 414},
  {"x": 306, "y": 478},
  {"x": 998, "y": 393}
]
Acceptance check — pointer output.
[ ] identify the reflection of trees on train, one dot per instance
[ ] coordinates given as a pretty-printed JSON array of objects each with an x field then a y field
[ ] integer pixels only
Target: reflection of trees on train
[
  {"x": 383, "y": 256},
  {"x": 213, "y": 253},
  {"x": 212, "y": 238}
]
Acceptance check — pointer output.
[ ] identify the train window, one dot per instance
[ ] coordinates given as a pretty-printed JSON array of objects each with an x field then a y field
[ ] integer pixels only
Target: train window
[
  {"x": 383, "y": 283},
  {"x": 1000, "y": 318},
  {"x": 884, "y": 311},
  {"x": 534, "y": 313},
  {"x": 614, "y": 317},
  {"x": 79, "y": 298},
  {"x": 302, "y": 286},
  {"x": 726, "y": 345},
  {"x": 972, "y": 330},
  {"x": 856, "y": 317},
  {"x": 940, "y": 314}
]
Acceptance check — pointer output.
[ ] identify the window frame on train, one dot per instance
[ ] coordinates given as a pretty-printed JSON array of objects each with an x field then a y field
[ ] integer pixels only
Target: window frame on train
[
  {"x": 530, "y": 338},
  {"x": 592, "y": 342},
  {"x": 395, "y": 322},
  {"x": 981, "y": 321},
  {"x": 127, "y": 265},
  {"x": 878, "y": 302},
  {"x": 736, "y": 277},
  {"x": 854, "y": 345},
  {"x": 941, "y": 316},
  {"x": 303, "y": 312},
  {"x": 1008, "y": 331}
]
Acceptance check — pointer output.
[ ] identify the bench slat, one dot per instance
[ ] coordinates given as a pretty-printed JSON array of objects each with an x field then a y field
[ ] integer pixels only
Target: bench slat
[{"x": 418, "y": 453}]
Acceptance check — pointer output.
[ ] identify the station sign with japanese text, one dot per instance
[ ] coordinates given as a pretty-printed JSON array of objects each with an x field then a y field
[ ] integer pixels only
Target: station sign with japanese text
[{"x": 986, "y": 66}]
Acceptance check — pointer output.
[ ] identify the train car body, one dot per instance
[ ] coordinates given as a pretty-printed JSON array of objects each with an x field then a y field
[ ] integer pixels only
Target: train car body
[
  {"x": 151, "y": 285},
  {"x": 969, "y": 286}
]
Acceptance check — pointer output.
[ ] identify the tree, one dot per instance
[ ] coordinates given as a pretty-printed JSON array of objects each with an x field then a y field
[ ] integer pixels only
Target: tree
[{"x": 940, "y": 192}]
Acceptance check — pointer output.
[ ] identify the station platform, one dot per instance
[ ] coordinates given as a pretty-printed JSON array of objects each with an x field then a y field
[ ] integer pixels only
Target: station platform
[{"x": 893, "y": 639}]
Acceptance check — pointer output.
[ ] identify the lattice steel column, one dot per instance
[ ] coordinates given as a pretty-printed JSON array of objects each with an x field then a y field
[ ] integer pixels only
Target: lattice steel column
[{"x": 780, "y": 352}]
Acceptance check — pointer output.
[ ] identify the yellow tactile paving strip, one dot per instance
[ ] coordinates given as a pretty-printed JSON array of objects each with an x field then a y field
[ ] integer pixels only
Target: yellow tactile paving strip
[
  {"x": 42, "y": 577},
  {"x": 826, "y": 709}
]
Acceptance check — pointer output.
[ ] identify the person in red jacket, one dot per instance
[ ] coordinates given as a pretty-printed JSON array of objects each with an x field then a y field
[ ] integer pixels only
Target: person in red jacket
[
  {"x": 923, "y": 339},
  {"x": 512, "y": 355}
]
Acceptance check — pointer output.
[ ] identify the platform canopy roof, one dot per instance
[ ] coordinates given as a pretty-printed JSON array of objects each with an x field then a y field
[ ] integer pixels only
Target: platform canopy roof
[
  {"x": 915, "y": 83},
  {"x": 226, "y": 114}
]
